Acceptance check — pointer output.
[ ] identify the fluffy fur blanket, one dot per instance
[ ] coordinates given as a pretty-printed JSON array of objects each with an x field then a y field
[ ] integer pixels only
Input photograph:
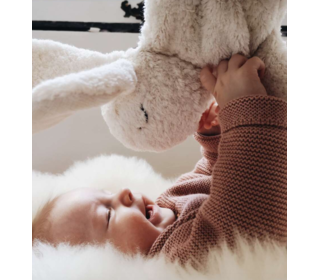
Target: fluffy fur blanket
[{"x": 262, "y": 261}]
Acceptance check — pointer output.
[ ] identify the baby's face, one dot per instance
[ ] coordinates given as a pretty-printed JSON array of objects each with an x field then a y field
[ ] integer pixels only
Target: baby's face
[{"x": 130, "y": 221}]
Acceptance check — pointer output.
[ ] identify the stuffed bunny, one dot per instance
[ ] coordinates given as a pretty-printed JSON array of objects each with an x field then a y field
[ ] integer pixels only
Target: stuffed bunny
[{"x": 151, "y": 96}]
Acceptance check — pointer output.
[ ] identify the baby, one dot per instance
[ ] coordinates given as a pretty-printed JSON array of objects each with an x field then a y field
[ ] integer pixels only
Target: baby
[{"x": 239, "y": 186}]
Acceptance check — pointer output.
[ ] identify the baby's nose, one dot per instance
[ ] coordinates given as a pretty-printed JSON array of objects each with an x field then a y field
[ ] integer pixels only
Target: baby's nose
[{"x": 126, "y": 197}]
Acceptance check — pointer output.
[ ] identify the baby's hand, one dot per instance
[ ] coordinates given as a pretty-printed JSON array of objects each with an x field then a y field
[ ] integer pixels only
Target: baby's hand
[
  {"x": 209, "y": 124},
  {"x": 238, "y": 77}
]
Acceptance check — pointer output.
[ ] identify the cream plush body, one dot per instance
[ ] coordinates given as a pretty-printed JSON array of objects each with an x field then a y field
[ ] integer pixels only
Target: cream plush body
[{"x": 151, "y": 96}]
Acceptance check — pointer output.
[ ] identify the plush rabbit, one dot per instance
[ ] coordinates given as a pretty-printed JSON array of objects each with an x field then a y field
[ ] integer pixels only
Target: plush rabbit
[{"x": 151, "y": 96}]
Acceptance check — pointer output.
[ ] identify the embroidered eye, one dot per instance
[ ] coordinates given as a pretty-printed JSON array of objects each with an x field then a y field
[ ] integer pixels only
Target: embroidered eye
[{"x": 145, "y": 113}]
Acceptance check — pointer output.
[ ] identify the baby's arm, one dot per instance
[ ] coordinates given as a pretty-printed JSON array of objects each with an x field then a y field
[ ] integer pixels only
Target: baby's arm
[
  {"x": 209, "y": 151},
  {"x": 247, "y": 188},
  {"x": 241, "y": 79},
  {"x": 248, "y": 191}
]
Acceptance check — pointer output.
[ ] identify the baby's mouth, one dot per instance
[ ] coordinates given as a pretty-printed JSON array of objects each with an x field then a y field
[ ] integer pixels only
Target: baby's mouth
[
  {"x": 152, "y": 211},
  {"x": 153, "y": 214},
  {"x": 147, "y": 208},
  {"x": 149, "y": 212}
]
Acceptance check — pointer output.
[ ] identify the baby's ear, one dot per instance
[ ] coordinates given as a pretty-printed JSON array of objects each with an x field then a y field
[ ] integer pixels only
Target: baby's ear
[{"x": 56, "y": 99}]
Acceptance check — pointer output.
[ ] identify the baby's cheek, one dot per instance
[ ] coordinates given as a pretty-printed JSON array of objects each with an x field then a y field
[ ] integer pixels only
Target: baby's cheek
[
  {"x": 138, "y": 222},
  {"x": 132, "y": 236},
  {"x": 143, "y": 232},
  {"x": 130, "y": 224}
]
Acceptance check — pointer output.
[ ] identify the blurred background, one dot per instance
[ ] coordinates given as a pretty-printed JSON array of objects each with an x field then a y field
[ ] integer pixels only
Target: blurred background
[{"x": 85, "y": 134}]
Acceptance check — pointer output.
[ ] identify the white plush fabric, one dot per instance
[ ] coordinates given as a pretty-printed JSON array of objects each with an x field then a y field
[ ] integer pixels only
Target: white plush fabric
[
  {"x": 164, "y": 100},
  {"x": 89, "y": 262},
  {"x": 54, "y": 100}
]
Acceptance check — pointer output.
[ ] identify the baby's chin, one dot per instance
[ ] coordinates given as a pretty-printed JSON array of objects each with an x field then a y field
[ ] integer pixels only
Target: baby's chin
[{"x": 168, "y": 218}]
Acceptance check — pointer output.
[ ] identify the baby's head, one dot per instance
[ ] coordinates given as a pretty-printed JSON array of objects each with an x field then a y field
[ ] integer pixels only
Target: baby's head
[{"x": 130, "y": 221}]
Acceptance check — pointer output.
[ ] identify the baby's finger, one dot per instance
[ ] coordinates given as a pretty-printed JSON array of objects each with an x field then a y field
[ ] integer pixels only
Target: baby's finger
[
  {"x": 210, "y": 116},
  {"x": 207, "y": 79},
  {"x": 222, "y": 67},
  {"x": 215, "y": 122},
  {"x": 236, "y": 61},
  {"x": 257, "y": 64},
  {"x": 210, "y": 123},
  {"x": 217, "y": 109},
  {"x": 214, "y": 71},
  {"x": 207, "y": 125}
]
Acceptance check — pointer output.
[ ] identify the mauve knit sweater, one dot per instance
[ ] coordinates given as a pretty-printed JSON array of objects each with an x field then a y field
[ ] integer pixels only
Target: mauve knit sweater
[{"x": 239, "y": 184}]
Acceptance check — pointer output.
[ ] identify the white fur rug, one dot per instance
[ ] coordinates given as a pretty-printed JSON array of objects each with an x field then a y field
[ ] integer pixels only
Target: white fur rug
[{"x": 88, "y": 262}]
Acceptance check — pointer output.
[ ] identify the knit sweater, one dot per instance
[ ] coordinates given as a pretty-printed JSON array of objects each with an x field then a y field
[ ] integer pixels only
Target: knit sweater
[{"x": 238, "y": 187}]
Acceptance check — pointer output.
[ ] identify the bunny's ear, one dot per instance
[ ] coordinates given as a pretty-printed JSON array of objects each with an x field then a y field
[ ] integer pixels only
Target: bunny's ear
[
  {"x": 52, "y": 59},
  {"x": 56, "y": 99}
]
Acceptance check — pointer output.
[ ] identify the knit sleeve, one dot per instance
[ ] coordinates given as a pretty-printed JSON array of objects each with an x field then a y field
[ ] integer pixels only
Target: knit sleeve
[
  {"x": 188, "y": 183},
  {"x": 248, "y": 190},
  {"x": 209, "y": 151}
]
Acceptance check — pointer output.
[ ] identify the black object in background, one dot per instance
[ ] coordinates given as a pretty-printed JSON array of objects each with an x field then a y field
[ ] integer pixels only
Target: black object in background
[{"x": 104, "y": 26}]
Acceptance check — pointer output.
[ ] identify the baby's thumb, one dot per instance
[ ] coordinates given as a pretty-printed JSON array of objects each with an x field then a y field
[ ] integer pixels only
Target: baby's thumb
[
  {"x": 211, "y": 116},
  {"x": 207, "y": 79},
  {"x": 258, "y": 65}
]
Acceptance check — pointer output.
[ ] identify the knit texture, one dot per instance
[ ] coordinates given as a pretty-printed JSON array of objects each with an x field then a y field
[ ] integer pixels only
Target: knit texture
[{"x": 238, "y": 187}]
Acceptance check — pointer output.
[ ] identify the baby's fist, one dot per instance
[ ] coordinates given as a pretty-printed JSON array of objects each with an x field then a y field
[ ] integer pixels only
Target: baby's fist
[
  {"x": 238, "y": 77},
  {"x": 209, "y": 124}
]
